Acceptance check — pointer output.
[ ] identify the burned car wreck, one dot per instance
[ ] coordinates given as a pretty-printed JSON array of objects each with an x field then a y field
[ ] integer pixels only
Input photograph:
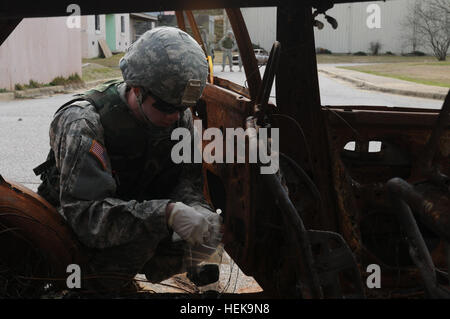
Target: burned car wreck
[{"x": 310, "y": 234}]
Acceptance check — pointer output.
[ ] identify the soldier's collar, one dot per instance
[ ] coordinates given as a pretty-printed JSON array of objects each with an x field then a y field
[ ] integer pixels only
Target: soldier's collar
[{"x": 122, "y": 89}]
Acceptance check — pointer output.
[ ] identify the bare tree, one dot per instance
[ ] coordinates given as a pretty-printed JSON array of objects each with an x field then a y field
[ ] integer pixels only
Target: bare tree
[
  {"x": 428, "y": 22},
  {"x": 410, "y": 25},
  {"x": 443, "y": 5}
]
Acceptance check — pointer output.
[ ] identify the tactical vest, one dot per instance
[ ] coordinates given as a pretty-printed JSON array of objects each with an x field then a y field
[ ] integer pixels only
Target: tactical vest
[
  {"x": 227, "y": 43},
  {"x": 126, "y": 142}
]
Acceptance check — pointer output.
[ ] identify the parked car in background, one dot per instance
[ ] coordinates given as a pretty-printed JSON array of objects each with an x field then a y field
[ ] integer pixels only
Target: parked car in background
[{"x": 261, "y": 56}]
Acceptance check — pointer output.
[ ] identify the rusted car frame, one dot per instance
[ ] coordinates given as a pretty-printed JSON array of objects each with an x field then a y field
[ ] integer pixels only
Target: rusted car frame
[{"x": 312, "y": 234}]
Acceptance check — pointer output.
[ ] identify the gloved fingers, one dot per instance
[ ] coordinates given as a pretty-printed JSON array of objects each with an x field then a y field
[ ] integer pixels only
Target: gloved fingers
[
  {"x": 214, "y": 218},
  {"x": 196, "y": 225},
  {"x": 200, "y": 232},
  {"x": 204, "y": 211},
  {"x": 206, "y": 236},
  {"x": 215, "y": 228}
]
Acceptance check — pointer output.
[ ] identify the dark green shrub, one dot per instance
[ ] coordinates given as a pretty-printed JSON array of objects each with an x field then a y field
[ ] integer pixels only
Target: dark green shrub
[
  {"x": 418, "y": 53},
  {"x": 32, "y": 84},
  {"x": 323, "y": 51},
  {"x": 375, "y": 47}
]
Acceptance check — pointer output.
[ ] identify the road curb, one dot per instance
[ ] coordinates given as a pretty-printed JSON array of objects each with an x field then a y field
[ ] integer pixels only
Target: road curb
[
  {"x": 369, "y": 86},
  {"x": 49, "y": 90}
]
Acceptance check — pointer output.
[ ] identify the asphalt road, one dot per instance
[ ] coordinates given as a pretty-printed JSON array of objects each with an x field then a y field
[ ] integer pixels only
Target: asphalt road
[{"x": 24, "y": 123}]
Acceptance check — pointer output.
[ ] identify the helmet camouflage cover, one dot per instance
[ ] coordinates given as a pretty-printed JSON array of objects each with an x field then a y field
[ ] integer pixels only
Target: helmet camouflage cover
[{"x": 169, "y": 63}]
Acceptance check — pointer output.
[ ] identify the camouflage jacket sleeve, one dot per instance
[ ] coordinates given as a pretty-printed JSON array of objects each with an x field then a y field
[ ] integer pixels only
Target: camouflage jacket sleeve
[
  {"x": 87, "y": 187},
  {"x": 220, "y": 43},
  {"x": 189, "y": 189}
]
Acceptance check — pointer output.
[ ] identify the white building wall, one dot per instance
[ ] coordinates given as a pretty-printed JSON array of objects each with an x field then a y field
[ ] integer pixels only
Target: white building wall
[
  {"x": 122, "y": 38},
  {"x": 40, "y": 49},
  {"x": 352, "y": 34},
  {"x": 90, "y": 36},
  {"x": 261, "y": 24}
]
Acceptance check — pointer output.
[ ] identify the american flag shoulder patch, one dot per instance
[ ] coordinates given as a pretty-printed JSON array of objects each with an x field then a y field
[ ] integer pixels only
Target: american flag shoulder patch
[{"x": 99, "y": 152}]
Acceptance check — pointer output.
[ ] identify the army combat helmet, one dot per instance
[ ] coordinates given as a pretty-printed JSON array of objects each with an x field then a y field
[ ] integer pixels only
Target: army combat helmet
[{"x": 168, "y": 64}]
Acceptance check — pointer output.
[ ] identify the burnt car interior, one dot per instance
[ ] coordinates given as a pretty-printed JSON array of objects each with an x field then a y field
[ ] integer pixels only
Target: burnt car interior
[{"x": 335, "y": 211}]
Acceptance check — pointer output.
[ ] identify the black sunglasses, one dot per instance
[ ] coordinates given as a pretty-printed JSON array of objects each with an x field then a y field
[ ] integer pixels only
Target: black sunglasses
[{"x": 163, "y": 106}]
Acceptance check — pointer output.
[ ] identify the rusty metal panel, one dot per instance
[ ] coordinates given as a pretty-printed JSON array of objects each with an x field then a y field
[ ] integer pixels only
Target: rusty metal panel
[
  {"x": 36, "y": 244},
  {"x": 255, "y": 234},
  {"x": 236, "y": 88},
  {"x": 180, "y": 20},
  {"x": 298, "y": 97}
]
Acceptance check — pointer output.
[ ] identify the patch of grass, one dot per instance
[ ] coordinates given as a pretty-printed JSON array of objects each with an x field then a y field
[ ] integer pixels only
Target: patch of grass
[
  {"x": 71, "y": 79},
  {"x": 111, "y": 62},
  {"x": 440, "y": 63},
  {"x": 413, "y": 72},
  {"x": 384, "y": 58},
  {"x": 59, "y": 80},
  {"x": 410, "y": 79},
  {"x": 74, "y": 78},
  {"x": 32, "y": 84},
  {"x": 3, "y": 90},
  {"x": 98, "y": 73}
]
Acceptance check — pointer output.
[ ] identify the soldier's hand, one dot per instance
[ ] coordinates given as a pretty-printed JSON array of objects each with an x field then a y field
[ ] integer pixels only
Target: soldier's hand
[
  {"x": 215, "y": 225},
  {"x": 192, "y": 226}
]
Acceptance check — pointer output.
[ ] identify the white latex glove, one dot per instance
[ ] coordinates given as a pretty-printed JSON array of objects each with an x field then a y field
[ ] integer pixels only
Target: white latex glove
[
  {"x": 201, "y": 253},
  {"x": 215, "y": 223},
  {"x": 189, "y": 224}
]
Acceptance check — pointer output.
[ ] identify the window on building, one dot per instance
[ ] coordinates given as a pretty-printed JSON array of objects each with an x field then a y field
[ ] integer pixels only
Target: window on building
[
  {"x": 122, "y": 24},
  {"x": 97, "y": 22}
]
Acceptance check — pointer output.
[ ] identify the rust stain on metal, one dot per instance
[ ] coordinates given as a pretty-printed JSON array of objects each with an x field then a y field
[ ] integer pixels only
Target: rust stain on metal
[{"x": 32, "y": 224}]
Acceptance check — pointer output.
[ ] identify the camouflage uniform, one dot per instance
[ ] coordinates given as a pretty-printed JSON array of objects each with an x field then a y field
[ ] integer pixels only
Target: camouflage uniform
[
  {"x": 227, "y": 45},
  {"x": 115, "y": 201}
]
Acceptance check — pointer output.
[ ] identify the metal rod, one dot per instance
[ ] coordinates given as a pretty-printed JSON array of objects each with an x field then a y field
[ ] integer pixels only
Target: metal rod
[
  {"x": 246, "y": 50},
  {"x": 180, "y": 20},
  {"x": 195, "y": 30}
]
